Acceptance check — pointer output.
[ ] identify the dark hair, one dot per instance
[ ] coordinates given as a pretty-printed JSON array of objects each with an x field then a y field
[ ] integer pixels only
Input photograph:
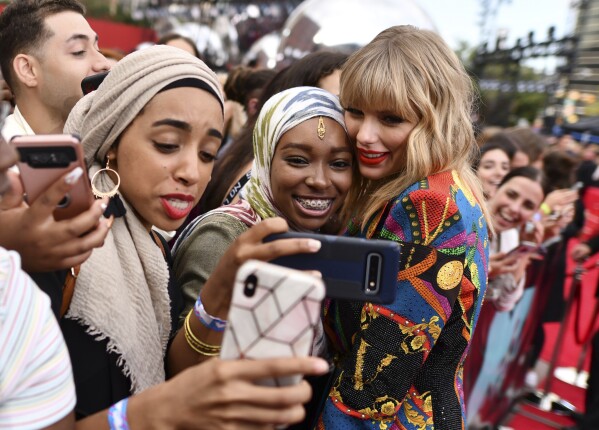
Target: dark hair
[
  {"x": 528, "y": 172},
  {"x": 176, "y": 36},
  {"x": 498, "y": 141},
  {"x": 242, "y": 80},
  {"x": 559, "y": 168},
  {"x": 528, "y": 141},
  {"x": 22, "y": 30},
  {"x": 306, "y": 71}
]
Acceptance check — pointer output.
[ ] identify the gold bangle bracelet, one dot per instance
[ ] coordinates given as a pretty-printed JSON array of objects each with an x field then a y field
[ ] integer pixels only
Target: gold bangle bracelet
[
  {"x": 195, "y": 339},
  {"x": 196, "y": 344}
]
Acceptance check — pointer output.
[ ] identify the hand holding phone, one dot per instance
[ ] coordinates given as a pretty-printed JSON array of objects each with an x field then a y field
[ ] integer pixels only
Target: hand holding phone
[
  {"x": 527, "y": 248},
  {"x": 274, "y": 311},
  {"x": 46, "y": 245},
  {"x": 43, "y": 160}
]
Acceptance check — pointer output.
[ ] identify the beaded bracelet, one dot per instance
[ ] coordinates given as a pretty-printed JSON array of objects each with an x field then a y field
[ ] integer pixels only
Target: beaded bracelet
[
  {"x": 196, "y": 344},
  {"x": 207, "y": 320},
  {"x": 117, "y": 416}
]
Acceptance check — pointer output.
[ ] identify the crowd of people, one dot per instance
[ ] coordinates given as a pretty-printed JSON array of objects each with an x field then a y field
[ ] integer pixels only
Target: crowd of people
[{"x": 114, "y": 318}]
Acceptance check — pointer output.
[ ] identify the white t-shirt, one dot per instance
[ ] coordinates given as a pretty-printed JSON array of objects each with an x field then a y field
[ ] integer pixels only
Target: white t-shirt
[
  {"x": 36, "y": 378},
  {"x": 16, "y": 125}
]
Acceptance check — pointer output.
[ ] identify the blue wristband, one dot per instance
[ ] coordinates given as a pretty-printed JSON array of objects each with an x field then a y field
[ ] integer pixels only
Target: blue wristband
[
  {"x": 117, "y": 416},
  {"x": 207, "y": 320}
]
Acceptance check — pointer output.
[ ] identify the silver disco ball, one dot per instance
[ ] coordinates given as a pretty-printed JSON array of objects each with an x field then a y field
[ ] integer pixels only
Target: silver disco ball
[
  {"x": 263, "y": 53},
  {"x": 343, "y": 25}
]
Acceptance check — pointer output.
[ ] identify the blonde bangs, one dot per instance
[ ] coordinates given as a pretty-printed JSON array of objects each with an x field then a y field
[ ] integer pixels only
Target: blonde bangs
[
  {"x": 414, "y": 74},
  {"x": 370, "y": 83}
]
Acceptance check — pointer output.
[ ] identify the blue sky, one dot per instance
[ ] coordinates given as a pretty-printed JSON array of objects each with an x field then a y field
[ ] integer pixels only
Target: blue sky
[{"x": 458, "y": 19}]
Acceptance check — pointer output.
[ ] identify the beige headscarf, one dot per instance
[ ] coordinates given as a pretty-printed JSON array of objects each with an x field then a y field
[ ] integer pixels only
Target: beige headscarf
[{"x": 121, "y": 292}]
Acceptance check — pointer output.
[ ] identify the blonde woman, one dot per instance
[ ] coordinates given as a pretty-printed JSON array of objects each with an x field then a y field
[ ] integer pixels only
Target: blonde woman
[{"x": 407, "y": 103}]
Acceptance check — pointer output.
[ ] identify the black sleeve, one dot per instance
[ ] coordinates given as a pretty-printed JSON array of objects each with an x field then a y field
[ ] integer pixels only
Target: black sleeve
[
  {"x": 51, "y": 283},
  {"x": 174, "y": 291}
]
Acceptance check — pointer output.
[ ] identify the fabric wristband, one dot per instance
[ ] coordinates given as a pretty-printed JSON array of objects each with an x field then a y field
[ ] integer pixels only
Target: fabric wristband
[
  {"x": 207, "y": 320},
  {"x": 545, "y": 208},
  {"x": 117, "y": 416}
]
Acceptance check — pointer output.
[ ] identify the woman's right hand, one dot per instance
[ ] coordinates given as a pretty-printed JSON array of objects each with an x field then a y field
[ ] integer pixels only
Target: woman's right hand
[
  {"x": 580, "y": 252},
  {"x": 505, "y": 262},
  {"x": 45, "y": 244},
  {"x": 222, "y": 395},
  {"x": 558, "y": 200},
  {"x": 502, "y": 262},
  {"x": 217, "y": 292}
]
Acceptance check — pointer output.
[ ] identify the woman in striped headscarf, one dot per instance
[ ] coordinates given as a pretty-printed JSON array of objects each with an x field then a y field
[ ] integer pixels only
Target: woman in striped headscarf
[{"x": 302, "y": 171}]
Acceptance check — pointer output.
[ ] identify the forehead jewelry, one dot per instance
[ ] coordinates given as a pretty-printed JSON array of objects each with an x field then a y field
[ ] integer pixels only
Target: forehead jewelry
[{"x": 321, "y": 130}]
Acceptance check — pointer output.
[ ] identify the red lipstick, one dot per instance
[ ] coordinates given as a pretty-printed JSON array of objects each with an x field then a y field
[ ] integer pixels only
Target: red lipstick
[
  {"x": 371, "y": 158},
  {"x": 177, "y": 206}
]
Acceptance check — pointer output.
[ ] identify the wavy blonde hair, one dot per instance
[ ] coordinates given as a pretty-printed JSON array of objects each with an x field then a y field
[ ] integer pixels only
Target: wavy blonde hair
[{"x": 414, "y": 74}]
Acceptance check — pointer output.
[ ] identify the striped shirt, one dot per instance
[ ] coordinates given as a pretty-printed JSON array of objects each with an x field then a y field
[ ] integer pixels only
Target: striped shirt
[{"x": 36, "y": 380}]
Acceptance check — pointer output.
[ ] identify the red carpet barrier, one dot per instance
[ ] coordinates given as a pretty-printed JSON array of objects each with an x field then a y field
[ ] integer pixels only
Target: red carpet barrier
[{"x": 498, "y": 359}]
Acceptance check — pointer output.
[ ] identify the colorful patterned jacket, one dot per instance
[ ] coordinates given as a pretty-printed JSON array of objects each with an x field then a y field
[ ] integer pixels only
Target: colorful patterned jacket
[{"x": 401, "y": 364}]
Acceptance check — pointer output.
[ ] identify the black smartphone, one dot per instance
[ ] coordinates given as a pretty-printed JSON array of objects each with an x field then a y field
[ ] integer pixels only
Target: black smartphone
[
  {"x": 91, "y": 83},
  {"x": 352, "y": 268}
]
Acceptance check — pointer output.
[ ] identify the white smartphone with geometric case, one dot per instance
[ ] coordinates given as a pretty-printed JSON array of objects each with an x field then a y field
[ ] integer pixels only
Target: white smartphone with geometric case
[{"x": 274, "y": 312}]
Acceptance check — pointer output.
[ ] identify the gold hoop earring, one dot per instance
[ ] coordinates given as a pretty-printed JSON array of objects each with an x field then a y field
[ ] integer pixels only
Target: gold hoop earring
[{"x": 113, "y": 191}]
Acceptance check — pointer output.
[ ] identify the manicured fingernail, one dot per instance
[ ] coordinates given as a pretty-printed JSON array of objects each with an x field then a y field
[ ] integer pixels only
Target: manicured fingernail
[
  {"x": 103, "y": 206},
  {"x": 74, "y": 176},
  {"x": 321, "y": 366},
  {"x": 314, "y": 245}
]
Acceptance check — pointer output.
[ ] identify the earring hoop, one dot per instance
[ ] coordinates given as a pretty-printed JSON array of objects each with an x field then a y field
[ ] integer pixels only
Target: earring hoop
[{"x": 100, "y": 194}]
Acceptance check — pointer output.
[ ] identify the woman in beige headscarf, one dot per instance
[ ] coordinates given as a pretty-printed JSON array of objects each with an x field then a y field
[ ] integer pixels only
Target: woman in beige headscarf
[{"x": 151, "y": 132}]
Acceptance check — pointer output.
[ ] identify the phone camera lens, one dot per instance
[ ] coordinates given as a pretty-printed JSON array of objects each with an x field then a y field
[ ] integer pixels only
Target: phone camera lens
[
  {"x": 66, "y": 200},
  {"x": 373, "y": 270},
  {"x": 250, "y": 284}
]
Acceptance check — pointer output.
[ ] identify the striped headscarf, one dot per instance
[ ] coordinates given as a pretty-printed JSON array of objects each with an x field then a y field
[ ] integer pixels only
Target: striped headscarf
[{"x": 280, "y": 113}]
